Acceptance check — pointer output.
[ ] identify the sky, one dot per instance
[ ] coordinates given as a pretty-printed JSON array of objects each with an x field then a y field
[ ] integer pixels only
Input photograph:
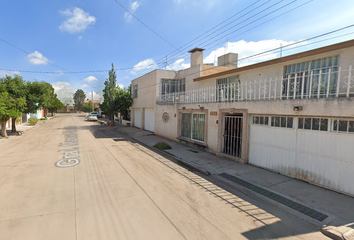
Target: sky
[{"x": 72, "y": 44}]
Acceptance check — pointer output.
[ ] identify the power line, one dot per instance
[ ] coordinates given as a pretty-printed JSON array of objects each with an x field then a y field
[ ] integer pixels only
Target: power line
[
  {"x": 146, "y": 25},
  {"x": 275, "y": 49},
  {"x": 184, "y": 55},
  {"x": 20, "y": 49}
]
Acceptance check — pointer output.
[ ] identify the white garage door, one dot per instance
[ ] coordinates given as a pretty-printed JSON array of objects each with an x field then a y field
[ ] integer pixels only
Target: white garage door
[
  {"x": 137, "y": 117},
  {"x": 149, "y": 120},
  {"x": 316, "y": 153}
]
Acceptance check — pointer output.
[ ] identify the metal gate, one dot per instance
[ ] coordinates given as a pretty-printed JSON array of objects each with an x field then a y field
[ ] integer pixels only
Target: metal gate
[{"x": 232, "y": 142}]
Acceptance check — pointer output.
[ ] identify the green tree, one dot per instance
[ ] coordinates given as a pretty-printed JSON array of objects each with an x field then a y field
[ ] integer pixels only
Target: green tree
[
  {"x": 56, "y": 104},
  {"x": 110, "y": 92},
  {"x": 123, "y": 101},
  {"x": 39, "y": 95},
  {"x": 79, "y": 97},
  {"x": 16, "y": 89},
  {"x": 87, "y": 107}
]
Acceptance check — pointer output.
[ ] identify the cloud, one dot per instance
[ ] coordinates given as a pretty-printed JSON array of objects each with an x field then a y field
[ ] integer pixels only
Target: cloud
[
  {"x": 64, "y": 90},
  {"x": 96, "y": 96},
  {"x": 84, "y": 86},
  {"x": 120, "y": 85},
  {"x": 178, "y": 65},
  {"x": 144, "y": 65},
  {"x": 4, "y": 73},
  {"x": 78, "y": 20},
  {"x": 37, "y": 58},
  {"x": 245, "y": 49},
  {"x": 90, "y": 79},
  {"x": 133, "y": 7}
]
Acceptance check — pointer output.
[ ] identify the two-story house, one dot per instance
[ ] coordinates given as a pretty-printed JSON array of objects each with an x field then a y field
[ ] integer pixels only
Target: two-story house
[{"x": 293, "y": 115}]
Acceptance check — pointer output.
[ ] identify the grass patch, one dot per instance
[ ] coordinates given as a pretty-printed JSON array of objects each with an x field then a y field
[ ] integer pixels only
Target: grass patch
[
  {"x": 162, "y": 146},
  {"x": 42, "y": 119},
  {"x": 33, "y": 121}
]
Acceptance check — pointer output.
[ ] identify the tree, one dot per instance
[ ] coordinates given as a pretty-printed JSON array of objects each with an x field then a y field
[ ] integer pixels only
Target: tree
[
  {"x": 123, "y": 101},
  {"x": 110, "y": 92},
  {"x": 79, "y": 97},
  {"x": 56, "y": 104},
  {"x": 39, "y": 95},
  {"x": 16, "y": 89},
  {"x": 9, "y": 108},
  {"x": 87, "y": 107}
]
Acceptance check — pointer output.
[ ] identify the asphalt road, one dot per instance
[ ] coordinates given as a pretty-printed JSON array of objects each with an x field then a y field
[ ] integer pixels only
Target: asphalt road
[{"x": 76, "y": 180}]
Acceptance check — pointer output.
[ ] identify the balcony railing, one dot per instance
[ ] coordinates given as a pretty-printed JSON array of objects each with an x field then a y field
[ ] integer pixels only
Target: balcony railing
[{"x": 307, "y": 85}]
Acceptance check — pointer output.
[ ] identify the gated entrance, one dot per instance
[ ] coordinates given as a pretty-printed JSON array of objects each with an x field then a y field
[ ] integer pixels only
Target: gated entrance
[{"x": 232, "y": 137}]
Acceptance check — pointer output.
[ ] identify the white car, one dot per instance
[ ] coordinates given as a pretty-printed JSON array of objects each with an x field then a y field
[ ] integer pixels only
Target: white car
[{"x": 92, "y": 117}]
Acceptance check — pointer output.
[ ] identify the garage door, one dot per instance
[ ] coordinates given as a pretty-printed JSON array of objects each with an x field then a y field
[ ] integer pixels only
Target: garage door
[
  {"x": 149, "y": 120},
  {"x": 137, "y": 117},
  {"x": 312, "y": 149}
]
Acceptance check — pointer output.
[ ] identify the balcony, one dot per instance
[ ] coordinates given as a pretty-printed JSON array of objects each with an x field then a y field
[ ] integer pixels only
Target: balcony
[{"x": 306, "y": 85}]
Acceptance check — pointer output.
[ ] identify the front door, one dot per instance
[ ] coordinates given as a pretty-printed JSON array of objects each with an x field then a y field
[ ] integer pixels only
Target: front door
[{"x": 232, "y": 137}]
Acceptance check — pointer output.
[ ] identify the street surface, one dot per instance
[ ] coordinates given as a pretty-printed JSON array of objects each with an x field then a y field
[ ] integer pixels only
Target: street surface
[{"x": 76, "y": 180}]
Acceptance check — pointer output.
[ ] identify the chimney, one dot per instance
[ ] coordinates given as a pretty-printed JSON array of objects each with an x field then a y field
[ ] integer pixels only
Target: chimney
[
  {"x": 196, "y": 56},
  {"x": 228, "y": 60}
]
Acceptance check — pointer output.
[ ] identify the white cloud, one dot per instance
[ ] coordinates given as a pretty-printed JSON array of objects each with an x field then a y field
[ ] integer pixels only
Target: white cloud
[
  {"x": 37, "y": 58},
  {"x": 245, "y": 49},
  {"x": 96, "y": 96},
  {"x": 4, "y": 73},
  {"x": 78, "y": 20},
  {"x": 144, "y": 65},
  {"x": 64, "y": 90},
  {"x": 178, "y": 65},
  {"x": 90, "y": 79},
  {"x": 120, "y": 85},
  {"x": 133, "y": 7},
  {"x": 84, "y": 86},
  {"x": 126, "y": 77}
]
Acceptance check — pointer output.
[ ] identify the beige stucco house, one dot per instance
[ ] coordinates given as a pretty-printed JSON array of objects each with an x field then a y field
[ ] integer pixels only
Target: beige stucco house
[{"x": 293, "y": 115}]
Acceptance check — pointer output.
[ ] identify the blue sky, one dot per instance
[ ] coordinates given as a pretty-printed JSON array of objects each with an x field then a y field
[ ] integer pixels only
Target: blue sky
[{"x": 60, "y": 35}]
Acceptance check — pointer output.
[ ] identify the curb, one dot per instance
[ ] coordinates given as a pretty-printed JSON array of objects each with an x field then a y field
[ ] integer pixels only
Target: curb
[{"x": 338, "y": 233}]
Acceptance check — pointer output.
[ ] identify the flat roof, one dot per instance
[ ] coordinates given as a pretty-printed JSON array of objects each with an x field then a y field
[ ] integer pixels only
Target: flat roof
[{"x": 325, "y": 49}]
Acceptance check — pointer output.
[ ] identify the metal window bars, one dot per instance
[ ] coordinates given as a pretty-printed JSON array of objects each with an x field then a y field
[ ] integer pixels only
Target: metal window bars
[{"x": 322, "y": 83}]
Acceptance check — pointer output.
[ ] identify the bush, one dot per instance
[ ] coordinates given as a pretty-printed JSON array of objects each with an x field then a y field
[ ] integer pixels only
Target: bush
[
  {"x": 33, "y": 121},
  {"x": 162, "y": 146}
]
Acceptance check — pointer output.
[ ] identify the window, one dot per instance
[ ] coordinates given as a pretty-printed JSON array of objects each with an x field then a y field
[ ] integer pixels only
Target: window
[
  {"x": 173, "y": 85},
  {"x": 343, "y": 126},
  {"x": 282, "y": 121},
  {"x": 135, "y": 91},
  {"x": 192, "y": 126},
  {"x": 261, "y": 120},
  {"x": 228, "y": 88},
  {"x": 319, "y": 124},
  {"x": 182, "y": 85},
  {"x": 311, "y": 78}
]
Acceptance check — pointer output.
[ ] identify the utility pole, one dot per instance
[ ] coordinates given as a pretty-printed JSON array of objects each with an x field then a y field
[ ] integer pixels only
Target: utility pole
[{"x": 92, "y": 100}]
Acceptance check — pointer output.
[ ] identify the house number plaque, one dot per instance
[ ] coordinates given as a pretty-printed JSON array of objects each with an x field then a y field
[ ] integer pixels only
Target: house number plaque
[{"x": 213, "y": 113}]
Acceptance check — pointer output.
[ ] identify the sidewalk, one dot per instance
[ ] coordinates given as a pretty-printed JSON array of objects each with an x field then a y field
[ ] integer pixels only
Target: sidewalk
[
  {"x": 22, "y": 128},
  {"x": 253, "y": 180}
]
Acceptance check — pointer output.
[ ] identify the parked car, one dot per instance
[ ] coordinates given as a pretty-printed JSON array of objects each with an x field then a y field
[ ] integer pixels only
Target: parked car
[{"x": 92, "y": 117}]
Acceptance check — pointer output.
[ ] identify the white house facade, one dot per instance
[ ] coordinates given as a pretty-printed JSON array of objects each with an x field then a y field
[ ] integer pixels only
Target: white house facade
[{"x": 293, "y": 115}]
